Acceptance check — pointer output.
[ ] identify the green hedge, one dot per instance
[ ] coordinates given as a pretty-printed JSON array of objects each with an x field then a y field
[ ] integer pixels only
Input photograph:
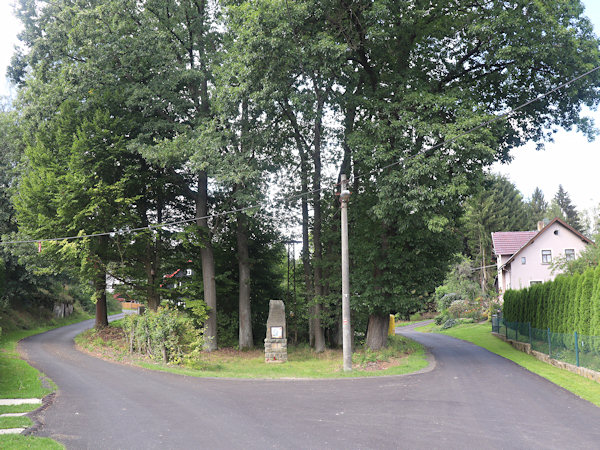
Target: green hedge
[{"x": 565, "y": 305}]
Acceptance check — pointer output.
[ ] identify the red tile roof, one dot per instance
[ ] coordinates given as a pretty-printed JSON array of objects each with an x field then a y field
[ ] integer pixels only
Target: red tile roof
[{"x": 509, "y": 242}]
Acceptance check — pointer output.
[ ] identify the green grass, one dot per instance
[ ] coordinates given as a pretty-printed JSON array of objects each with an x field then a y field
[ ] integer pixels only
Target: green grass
[
  {"x": 403, "y": 356},
  {"x": 17, "y": 408},
  {"x": 17, "y": 378},
  {"x": 480, "y": 334},
  {"x": 15, "y": 422},
  {"x": 18, "y": 442}
]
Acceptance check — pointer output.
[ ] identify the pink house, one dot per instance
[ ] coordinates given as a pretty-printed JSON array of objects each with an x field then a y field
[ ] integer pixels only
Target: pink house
[{"x": 524, "y": 258}]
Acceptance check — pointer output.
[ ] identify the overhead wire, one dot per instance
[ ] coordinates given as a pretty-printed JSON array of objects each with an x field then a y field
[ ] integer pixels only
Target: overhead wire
[{"x": 127, "y": 230}]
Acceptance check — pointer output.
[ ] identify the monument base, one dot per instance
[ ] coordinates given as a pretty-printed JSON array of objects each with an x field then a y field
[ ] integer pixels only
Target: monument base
[{"x": 275, "y": 350}]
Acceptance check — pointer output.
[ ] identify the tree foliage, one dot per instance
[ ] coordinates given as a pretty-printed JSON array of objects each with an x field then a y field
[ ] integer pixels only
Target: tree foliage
[
  {"x": 567, "y": 209},
  {"x": 208, "y": 105},
  {"x": 496, "y": 206}
]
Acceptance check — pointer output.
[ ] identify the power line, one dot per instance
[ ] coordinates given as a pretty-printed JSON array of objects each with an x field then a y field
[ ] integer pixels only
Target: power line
[
  {"x": 481, "y": 268},
  {"x": 310, "y": 192}
]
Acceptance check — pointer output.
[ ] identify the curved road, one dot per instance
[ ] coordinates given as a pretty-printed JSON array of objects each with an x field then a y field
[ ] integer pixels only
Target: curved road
[{"x": 471, "y": 399}]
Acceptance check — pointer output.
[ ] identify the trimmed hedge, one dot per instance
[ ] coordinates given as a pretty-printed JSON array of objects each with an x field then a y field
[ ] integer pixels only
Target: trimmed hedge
[{"x": 565, "y": 305}]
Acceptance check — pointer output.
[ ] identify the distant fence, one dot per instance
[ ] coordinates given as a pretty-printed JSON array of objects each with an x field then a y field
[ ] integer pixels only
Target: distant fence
[
  {"x": 130, "y": 305},
  {"x": 582, "y": 351}
]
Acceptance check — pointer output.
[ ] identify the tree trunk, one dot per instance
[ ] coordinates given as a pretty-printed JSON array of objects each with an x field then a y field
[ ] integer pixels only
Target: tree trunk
[
  {"x": 100, "y": 284},
  {"x": 318, "y": 254},
  {"x": 245, "y": 326},
  {"x": 483, "y": 271},
  {"x": 153, "y": 298},
  {"x": 306, "y": 243},
  {"x": 208, "y": 264},
  {"x": 377, "y": 331}
]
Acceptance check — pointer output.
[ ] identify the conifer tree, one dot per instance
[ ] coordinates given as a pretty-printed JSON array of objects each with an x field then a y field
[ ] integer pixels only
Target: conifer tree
[
  {"x": 585, "y": 301},
  {"x": 574, "y": 289},
  {"x": 570, "y": 213},
  {"x": 536, "y": 208},
  {"x": 537, "y": 323},
  {"x": 564, "y": 302},
  {"x": 595, "y": 307}
]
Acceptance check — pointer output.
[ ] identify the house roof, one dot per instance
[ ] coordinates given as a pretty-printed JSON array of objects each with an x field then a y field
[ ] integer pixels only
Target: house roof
[{"x": 510, "y": 242}]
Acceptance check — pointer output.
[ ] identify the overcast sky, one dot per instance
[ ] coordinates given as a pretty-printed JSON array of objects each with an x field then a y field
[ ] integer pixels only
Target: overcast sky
[{"x": 570, "y": 160}]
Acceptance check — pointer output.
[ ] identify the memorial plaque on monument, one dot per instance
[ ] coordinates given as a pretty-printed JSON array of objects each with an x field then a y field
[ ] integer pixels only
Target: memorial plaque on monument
[{"x": 276, "y": 340}]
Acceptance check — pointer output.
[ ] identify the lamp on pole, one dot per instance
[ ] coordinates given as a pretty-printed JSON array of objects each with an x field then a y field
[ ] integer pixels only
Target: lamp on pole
[{"x": 347, "y": 340}]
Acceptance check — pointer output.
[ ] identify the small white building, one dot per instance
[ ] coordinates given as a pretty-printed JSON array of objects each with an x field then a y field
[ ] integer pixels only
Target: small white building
[{"x": 524, "y": 258}]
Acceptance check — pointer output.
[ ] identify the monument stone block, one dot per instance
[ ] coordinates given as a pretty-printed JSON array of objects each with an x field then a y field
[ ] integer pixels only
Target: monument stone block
[{"x": 276, "y": 340}]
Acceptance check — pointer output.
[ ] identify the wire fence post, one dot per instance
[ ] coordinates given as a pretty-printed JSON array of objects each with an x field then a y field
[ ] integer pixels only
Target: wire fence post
[
  {"x": 530, "y": 340},
  {"x": 576, "y": 349},
  {"x": 549, "y": 345}
]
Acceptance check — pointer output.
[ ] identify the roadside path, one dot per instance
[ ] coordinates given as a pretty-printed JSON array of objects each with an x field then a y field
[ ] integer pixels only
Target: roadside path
[{"x": 471, "y": 399}]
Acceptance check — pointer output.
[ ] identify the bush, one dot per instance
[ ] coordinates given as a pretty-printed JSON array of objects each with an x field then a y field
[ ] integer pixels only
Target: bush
[
  {"x": 167, "y": 334},
  {"x": 446, "y": 300},
  {"x": 494, "y": 307},
  {"x": 458, "y": 308},
  {"x": 440, "y": 319},
  {"x": 228, "y": 329},
  {"x": 449, "y": 324}
]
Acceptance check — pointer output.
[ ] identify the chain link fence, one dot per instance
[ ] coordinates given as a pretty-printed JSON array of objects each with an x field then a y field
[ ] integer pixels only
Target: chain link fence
[{"x": 576, "y": 349}]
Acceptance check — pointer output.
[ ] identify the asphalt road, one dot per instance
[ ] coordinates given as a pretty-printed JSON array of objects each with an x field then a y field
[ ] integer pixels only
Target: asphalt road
[{"x": 469, "y": 399}]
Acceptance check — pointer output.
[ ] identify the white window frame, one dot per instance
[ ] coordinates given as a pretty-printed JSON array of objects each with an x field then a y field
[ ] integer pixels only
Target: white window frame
[{"x": 546, "y": 256}]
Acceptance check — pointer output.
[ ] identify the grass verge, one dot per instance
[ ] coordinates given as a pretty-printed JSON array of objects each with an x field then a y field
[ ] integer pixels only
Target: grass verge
[
  {"x": 480, "y": 334},
  {"x": 15, "y": 422},
  {"x": 18, "y": 442},
  {"x": 17, "y": 408},
  {"x": 403, "y": 356},
  {"x": 19, "y": 380}
]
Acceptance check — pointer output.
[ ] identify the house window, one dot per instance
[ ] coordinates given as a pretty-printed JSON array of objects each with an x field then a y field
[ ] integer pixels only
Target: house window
[
  {"x": 523, "y": 260},
  {"x": 188, "y": 272},
  {"x": 570, "y": 254},
  {"x": 546, "y": 256},
  {"x": 532, "y": 282}
]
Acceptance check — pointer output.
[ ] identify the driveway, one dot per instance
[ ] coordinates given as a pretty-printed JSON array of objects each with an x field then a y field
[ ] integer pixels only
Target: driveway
[{"x": 470, "y": 399}]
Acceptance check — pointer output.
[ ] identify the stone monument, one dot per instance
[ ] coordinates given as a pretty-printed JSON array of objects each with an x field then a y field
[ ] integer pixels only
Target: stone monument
[{"x": 276, "y": 340}]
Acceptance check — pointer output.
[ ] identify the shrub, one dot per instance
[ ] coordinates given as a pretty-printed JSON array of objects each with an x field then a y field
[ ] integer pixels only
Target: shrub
[
  {"x": 446, "y": 300},
  {"x": 228, "y": 329},
  {"x": 167, "y": 334},
  {"x": 449, "y": 324},
  {"x": 458, "y": 308},
  {"x": 440, "y": 319}
]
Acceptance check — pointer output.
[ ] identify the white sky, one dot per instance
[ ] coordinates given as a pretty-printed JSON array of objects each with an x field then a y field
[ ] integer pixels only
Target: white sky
[{"x": 570, "y": 160}]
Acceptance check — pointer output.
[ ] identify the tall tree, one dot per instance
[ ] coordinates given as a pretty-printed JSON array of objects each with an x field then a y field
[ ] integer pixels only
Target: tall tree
[
  {"x": 497, "y": 206},
  {"x": 537, "y": 206},
  {"x": 298, "y": 80},
  {"x": 431, "y": 72},
  {"x": 567, "y": 208},
  {"x": 78, "y": 180},
  {"x": 159, "y": 55}
]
